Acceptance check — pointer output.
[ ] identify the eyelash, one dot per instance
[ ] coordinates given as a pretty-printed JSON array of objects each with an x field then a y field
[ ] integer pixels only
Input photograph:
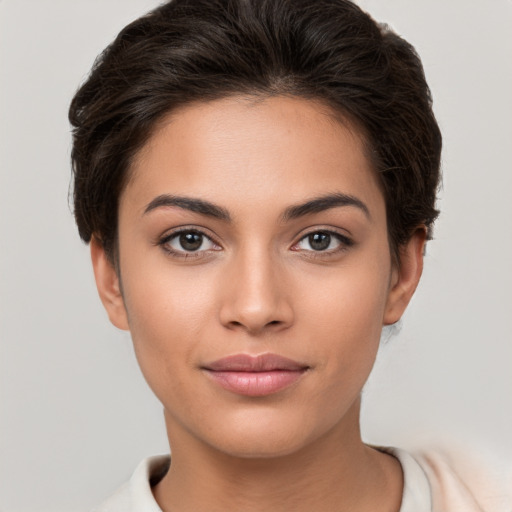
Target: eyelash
[
  {"x": 344, "y": 241},
  {"x": 164, "y": 243}
]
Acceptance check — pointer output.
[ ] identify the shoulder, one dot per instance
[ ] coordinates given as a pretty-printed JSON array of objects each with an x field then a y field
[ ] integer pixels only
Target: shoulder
[
  {"x": 466, "y": 481},
  {"x": 136, "y": 495}
]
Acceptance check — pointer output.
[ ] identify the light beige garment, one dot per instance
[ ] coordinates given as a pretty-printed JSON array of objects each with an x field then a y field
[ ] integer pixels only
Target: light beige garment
[{"x": 465, "y": 483}]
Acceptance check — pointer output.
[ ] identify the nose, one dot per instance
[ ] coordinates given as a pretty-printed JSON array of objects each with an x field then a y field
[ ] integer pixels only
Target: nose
[{"x": 256, "y": 297}]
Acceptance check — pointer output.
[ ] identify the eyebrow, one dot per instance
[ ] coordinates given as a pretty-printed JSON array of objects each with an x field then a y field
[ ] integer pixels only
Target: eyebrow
[
  {"x": 325, "y": 202},
  {"x": 315, "y": 205},
  {"x": 189, "y": 203}
]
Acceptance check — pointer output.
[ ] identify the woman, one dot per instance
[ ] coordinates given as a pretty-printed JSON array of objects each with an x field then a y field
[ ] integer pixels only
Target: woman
[{"x": 257, "y": 181}]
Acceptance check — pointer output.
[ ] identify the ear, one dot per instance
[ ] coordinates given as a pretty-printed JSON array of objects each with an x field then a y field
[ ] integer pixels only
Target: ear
[
  {"x": 108, "y": 284},
  {"x": 405, "y": 276}
]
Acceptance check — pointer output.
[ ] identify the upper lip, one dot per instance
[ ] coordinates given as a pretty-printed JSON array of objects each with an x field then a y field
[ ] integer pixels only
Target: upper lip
[{"x": 260, "y": 363}]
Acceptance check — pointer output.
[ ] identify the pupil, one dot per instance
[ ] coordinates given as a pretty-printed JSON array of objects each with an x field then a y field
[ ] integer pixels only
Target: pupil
[
  {"x": 191, "y": 241},
  {"x": 319, "y": 241}
]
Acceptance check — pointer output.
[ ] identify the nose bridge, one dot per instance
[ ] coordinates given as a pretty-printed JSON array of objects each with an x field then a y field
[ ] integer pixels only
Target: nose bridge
[{"x": 256, "y": 297}]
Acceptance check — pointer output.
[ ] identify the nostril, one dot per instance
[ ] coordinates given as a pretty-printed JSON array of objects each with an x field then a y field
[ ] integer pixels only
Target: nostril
[{"x": 235, "y": 324}]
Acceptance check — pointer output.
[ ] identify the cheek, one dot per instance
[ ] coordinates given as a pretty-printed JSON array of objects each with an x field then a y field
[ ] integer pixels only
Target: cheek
[
  {"x": 350, "y": 299},
  {"x": 166, "y": 300},
  {"x": 347, "y": 315},
  {"x": 167, "y": 312}
]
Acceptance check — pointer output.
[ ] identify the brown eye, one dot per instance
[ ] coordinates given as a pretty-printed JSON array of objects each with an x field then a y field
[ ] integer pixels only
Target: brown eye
[
  {"x": 190, "y": 241},
  {"x": 328, "y": 242},
  {"x": 319, "y": 241}
]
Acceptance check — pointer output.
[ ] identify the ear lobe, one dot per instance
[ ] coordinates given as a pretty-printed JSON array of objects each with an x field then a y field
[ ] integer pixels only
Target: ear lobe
[
  {"x": 406, "y": 277},
  {"x": 108, "y": 285}
]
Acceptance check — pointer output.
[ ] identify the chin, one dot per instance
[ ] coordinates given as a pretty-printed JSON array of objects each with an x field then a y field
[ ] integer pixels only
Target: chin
[
  {"x": 263, "y": 436},
  {"x": 262, "y": 446}
]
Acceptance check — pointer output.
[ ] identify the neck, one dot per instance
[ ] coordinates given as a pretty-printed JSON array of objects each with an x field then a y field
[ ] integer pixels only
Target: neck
[{"x": 336, "y": 472}]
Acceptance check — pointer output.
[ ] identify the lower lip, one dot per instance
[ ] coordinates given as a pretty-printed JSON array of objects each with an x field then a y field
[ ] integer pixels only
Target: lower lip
[{"x": 256, "y": 383}]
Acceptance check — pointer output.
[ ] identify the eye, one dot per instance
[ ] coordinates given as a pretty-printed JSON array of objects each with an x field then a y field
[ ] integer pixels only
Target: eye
[
  {"x": 188, "y": 242},
  {"x": 323, "y": 241}
]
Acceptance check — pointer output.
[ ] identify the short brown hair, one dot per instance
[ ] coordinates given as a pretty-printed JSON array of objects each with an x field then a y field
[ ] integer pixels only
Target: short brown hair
[{"x": 200, "y": 50}]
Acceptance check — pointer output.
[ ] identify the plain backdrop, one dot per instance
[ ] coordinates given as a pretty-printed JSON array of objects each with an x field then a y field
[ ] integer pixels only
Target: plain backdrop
[{"x": 76, "y": 416}]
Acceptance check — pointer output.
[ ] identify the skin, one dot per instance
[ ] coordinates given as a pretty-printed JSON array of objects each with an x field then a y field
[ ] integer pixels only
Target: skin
[{"x": 257, "y": 286}]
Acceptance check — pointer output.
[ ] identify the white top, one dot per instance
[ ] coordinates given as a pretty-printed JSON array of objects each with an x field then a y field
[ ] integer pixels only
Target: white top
[{"x": 430, "y": 485}]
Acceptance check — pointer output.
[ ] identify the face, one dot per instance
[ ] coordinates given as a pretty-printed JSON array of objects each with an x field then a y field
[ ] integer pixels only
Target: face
[{"x": 255, "y": 273}]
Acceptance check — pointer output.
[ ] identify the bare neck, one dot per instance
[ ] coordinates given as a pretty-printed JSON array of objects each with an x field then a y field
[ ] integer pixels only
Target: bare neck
[{"x": 335, "y": 473}]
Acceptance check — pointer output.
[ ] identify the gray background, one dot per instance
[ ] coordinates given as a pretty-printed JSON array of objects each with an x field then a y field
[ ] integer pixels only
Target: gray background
[{"x": 76, "y": 415}]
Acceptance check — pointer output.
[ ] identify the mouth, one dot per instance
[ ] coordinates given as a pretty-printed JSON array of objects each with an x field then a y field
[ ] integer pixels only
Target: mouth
[{"x": 261, "y": 375}]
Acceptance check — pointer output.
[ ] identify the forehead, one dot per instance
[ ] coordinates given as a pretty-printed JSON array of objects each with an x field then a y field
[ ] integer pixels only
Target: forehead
[{"x": 241, "y": 149}]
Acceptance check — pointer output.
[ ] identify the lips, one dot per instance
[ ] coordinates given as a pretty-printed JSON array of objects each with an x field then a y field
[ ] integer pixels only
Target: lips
[{"x": 261, "y": 375}]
